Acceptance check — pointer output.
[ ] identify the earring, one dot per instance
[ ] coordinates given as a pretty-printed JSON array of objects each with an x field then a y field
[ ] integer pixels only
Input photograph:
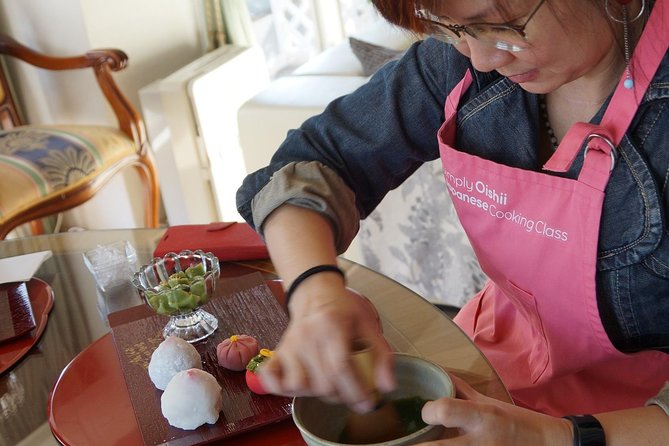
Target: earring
[
  {"x": 629, "y": 82},
  {"x": 625, "y": 20}
]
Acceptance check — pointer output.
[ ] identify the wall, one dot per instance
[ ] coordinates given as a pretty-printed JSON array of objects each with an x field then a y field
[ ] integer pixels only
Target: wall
[{"x": 159, "y": 36}]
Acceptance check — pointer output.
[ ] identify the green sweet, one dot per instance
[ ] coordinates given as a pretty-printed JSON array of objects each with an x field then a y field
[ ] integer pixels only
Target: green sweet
[
  {"x": 198, "y": 287},
  {"x": 182, "y": 292},
  {"x": 195, "y": 271},
  {"x": 154, "y": 300},
  {"x": 162, "y": 309},
  {"x": 177, "y": 296},
  {"x": 178, "y": 278}
]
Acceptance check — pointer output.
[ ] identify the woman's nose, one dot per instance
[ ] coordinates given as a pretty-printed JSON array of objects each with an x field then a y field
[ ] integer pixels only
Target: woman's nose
[{"x": 484, "y": 57}]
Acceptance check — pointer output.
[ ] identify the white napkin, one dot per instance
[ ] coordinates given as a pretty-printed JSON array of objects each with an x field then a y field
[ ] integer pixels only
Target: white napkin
[{"x": 21, "y": 268}]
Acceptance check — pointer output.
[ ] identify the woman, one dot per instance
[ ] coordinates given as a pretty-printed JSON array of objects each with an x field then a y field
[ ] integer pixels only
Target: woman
[{"x": 574, "y": 317}]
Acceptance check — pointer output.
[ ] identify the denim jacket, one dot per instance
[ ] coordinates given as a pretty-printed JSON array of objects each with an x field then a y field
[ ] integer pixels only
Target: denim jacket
[{"x": 376, "y": 137}]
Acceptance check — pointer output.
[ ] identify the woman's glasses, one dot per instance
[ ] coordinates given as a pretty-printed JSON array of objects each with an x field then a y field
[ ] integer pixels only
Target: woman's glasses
[{"x": 503, "y": 36}]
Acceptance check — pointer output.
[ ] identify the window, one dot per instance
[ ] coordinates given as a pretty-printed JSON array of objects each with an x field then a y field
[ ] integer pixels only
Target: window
[
  {"x": 356, "y": 15},
  {"x": 292, "y": 31}
]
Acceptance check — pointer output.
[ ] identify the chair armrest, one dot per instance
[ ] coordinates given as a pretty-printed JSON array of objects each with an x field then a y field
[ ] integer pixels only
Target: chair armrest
[
  {"x": 103, "y": 62},
  {"x": 115, "y": 59}
]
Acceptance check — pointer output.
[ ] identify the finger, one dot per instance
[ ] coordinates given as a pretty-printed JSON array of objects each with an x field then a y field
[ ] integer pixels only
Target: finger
[
  {"x": 461, "y": 440},
  {"x": 344, "y": 376},
  {"x": 319, "y": 377},
  {"x": 295, "y": 379},
  {"x": 271, "y": 376},
  {"x": 350, "y": 387},
  {"x": 279, "y": 379},
  {"x": 384, "y": 368},
  {"x": 450, "y": 412}
]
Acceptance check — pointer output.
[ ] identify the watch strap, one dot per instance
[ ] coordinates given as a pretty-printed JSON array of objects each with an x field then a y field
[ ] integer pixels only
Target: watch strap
[{"x": 588, "y": 431}]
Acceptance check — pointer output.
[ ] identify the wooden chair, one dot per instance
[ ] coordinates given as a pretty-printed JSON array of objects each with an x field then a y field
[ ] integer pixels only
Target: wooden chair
[{"x": 45, "y": 170}]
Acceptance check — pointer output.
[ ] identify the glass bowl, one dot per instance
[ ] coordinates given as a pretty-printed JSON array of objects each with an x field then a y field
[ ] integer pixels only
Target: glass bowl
[{"x": 177, "y": 285}]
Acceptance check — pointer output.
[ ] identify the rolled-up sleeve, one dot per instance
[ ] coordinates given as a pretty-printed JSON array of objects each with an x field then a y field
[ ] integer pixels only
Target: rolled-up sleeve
[{"x": 314, "y": 186}]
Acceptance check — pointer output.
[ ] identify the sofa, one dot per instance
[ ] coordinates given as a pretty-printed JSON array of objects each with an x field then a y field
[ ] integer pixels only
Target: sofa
[
  {"x": 398, "y": 239},
  {"x": 290, "y": 100}
]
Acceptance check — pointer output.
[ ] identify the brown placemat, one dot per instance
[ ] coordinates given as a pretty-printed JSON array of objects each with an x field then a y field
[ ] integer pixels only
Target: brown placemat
[
  {"x": 243, "y": 305},
  {"x": 16, "y": 312}
]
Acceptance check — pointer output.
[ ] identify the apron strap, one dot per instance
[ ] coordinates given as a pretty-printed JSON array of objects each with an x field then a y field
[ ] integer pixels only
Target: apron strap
[
  {"x": 599, "y": 155},
  {"x": 447, "y": 132},
  {"x": 618, "y": 116}
]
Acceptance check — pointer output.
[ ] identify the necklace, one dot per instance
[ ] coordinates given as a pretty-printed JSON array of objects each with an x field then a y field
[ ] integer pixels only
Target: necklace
[{"x": 547, "y": 123}]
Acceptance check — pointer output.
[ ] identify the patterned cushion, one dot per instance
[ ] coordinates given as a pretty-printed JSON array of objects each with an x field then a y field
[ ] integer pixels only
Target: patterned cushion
[
  {"x": 37, "y": 162},
  {"x": 415, "y": 237},
  {"x": 371, "y": 56}
]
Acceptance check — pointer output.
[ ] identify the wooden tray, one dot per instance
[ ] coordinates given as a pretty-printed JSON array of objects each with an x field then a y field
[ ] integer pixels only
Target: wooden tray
[{"x": 243, "y": 305}]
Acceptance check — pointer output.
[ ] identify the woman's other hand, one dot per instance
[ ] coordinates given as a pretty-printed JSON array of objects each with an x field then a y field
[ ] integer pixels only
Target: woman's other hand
[{"x": 481, "y": 420}]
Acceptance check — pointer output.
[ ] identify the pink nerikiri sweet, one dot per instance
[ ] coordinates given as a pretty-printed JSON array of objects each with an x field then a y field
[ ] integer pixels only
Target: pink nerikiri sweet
[{"x": 236, "y": 351}]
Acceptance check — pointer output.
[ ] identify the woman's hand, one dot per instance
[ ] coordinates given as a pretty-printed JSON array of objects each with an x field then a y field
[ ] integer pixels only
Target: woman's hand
[
  {"x": 313, "y": 357},
  {"x": 481, "y": 421}
]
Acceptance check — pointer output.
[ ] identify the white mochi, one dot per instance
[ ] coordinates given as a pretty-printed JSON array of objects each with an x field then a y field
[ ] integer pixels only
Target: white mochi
[
  {"x": 192, "y": 398},
  {"x": 172, "y": 356}
]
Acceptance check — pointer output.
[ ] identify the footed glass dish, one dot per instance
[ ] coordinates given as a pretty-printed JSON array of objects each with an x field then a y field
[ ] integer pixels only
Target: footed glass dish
[{"x": 177, "y": 285}]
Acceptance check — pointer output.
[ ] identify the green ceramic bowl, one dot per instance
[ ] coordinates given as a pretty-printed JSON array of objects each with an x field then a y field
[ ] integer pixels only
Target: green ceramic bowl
[{"x": 321, "y": 424}]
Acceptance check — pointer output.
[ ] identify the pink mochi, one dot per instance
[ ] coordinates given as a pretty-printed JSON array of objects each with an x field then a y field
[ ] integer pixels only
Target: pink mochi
[{"x": 236, "y": 351}]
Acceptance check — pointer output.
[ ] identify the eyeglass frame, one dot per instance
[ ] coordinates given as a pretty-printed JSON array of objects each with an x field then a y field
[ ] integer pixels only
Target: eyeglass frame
[{"x": 461, "y": 30}]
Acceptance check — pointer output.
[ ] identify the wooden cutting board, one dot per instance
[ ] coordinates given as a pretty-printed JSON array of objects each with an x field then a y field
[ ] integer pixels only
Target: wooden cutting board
[{"x": 243, "y": 305}]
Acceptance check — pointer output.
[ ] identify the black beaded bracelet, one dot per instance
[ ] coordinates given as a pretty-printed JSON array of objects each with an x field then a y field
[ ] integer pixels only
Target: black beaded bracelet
[
  {"x": 588, "y": 431},
  {"x": 308, "y": 273}
]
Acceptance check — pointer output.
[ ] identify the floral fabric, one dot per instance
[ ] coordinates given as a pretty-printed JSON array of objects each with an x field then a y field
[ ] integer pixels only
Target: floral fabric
[
  {"x": 39, "y": 161},
  {"x": 414, "y": 236}
]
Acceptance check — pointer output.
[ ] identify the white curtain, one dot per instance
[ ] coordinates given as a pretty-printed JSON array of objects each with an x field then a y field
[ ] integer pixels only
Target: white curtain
[{"x": 227, "y": 21}]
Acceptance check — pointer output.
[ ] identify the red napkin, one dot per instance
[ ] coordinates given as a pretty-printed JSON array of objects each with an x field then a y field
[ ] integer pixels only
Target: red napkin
[
  {"x": 16, "y": 313},
  {"x": 227, "y": 241}
]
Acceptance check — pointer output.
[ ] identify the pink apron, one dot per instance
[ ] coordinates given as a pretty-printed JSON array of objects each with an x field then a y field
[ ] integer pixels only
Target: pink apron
[{"x": 535, "y": 236}]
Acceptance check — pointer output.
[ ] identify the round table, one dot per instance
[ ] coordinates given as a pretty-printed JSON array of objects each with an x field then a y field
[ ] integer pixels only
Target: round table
[
  {"x": 92, "y": 386},
  {"x": 74, "y": 370}
]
